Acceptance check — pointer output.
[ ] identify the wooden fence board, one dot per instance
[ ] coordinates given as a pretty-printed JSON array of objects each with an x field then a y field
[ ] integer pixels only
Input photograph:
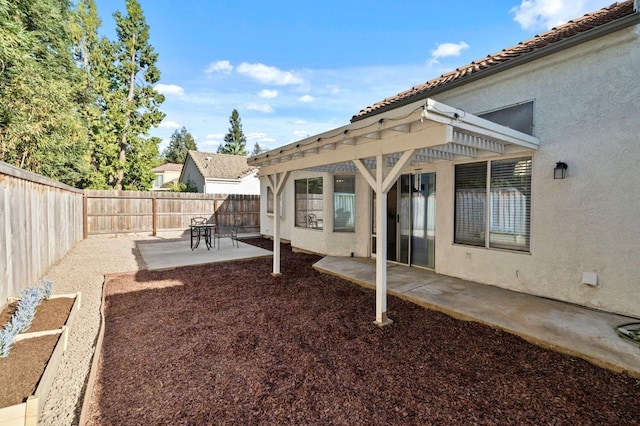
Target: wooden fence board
[
  {"x": 137, "y": 211},
  {"x": 40, "y": 221}
]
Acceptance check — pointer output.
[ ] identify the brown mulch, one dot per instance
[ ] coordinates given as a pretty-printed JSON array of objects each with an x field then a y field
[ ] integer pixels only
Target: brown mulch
[
  {"x": 230, "y": 344},
  {"x": 20, "y": 372}
]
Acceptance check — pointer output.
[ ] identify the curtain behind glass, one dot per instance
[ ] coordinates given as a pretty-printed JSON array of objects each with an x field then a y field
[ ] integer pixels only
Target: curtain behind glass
[
  {"x": 344, "y": 203},
  {"x": 470, "y": 203}
]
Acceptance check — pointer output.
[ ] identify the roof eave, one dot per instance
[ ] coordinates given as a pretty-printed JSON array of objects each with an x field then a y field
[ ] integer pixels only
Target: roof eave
[{"x": 586, "y": 36}]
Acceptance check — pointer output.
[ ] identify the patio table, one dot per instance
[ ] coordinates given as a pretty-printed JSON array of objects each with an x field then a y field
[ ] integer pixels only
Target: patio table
[{"x": 202, "y": 229}]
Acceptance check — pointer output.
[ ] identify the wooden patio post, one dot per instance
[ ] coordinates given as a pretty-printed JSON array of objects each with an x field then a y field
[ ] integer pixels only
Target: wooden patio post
[
  {"x": 381, "y": 245},
  {"x": 276, "y": 182}
]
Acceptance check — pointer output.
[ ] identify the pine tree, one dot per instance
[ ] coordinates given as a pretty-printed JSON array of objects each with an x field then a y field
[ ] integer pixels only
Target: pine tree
[
  {"x": 181, "y": 142},
  {"x": 257, "y": 149},
  {"x": 123, "y": 151},
  {"x": 235, "y": 140}
]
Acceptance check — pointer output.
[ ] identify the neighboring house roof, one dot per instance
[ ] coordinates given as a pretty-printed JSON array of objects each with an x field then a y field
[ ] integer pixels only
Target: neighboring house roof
[
  {"x": 533, "y": 48},
  {"x": 221, "y": 166},
  {"x": 169, "y": 167}
]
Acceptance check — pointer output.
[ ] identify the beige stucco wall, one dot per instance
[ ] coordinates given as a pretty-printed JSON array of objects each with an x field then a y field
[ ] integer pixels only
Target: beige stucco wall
[
  {"x": 585, "y": 114},
  {"x": 190, "y": 173},
  {"x": 320, "y": 240},
  {"x": 249, "y": 185}
]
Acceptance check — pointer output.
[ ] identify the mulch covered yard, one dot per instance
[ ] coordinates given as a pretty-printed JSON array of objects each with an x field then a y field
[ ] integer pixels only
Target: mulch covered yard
[{"x": 230, "y": 344}]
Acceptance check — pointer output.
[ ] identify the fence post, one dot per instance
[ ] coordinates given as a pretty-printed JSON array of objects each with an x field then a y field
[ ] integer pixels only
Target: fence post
[
  {"x": 154, "y": 209},
  {"x": 85, "y": 216}
]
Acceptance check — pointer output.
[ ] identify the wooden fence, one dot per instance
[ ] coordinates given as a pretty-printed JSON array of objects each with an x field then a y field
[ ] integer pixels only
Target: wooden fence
[
  {"x": 138, "y": 211},
  {"x": 40, "y": 221}
]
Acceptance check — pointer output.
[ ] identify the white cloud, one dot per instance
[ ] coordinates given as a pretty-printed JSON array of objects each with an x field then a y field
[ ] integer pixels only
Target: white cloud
[
  {"x": 334, "y": 90},
  {"x": 223, "y": 67},
  {"x": 268, "y": 94},
  {"x": 306, "y": 98},
  {"x": 268, "y": 75},
  {"x": 169, "y": 125},
  {"x": 169, "y": 89},
  {"x": 449, "y": 49},
  {"x": 534, "y": 15},
  {"x": 300, "y": 133},
  {"x": 259, "y": 107},
  {"x": 214, "y": 136},
  {"x": 259, "y": 137}
]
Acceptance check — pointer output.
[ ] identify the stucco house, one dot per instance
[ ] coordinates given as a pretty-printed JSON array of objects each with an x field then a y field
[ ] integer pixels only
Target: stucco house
[
  {"x": 220, "y": 174},
  {"x": 519, "y": 170},
  {"x": 166, "y": 174}
]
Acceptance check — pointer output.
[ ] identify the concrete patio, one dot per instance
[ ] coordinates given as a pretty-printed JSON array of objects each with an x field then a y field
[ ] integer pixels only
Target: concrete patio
[
  {"x": 563, "y": 327},
  {"x": 173, "y": 252}
]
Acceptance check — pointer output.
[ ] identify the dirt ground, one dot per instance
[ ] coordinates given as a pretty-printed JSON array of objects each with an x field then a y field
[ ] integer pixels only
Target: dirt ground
[
  {"x": 20, "y": 371},
  {"x": 230, "y": 344}
]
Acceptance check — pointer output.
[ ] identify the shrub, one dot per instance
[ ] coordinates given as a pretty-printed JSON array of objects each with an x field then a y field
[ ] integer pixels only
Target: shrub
[{"x": 23, "y": 316}]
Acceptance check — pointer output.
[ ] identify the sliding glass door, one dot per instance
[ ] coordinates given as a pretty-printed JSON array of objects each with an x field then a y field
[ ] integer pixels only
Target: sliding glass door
[{"x": 411, "y": 220}]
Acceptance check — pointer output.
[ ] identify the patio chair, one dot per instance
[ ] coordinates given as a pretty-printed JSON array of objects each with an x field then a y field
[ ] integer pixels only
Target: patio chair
[
  {"x": 229, "y": 231},
  {"x": 313, "y": 221}
]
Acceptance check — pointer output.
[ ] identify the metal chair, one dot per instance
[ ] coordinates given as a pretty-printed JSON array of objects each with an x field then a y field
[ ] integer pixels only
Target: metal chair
[{"x": 231, "y": 232}]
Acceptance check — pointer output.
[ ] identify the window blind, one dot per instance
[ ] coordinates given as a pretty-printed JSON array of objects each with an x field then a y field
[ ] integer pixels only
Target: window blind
[
  {"x": 470, "y": 203},
  {"x": 510, "y": 206}
]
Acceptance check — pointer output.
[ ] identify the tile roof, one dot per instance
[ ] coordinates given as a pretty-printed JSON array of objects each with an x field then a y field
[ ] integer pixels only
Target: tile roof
[
  {"x": 541, "y": 41},
  {"x": 221, "y": 166},
  {"x": 168, "y": 167}
]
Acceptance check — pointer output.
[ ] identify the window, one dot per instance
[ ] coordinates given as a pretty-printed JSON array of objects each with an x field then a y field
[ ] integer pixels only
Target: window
[
  {"x": 159, "y": 181},
  {"x": 507, "y": 186},
  {"x": 518, "y": 117},
  {"x": 344, "y": 203},
  {"x": 309, "y": 203},
  {"x": 269, "y": 200}
]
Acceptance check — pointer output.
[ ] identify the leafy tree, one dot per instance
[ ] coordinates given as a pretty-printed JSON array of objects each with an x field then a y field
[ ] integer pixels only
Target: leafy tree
[
  {"x": 235, "y": 140},
  {"x": 257, "y": 149},
  {"x": 41, "y": 128},
  {"x": 124, "y": 154},
  {"x": 88, "y": 53},
  {"x": 181, "y": 142},
  {"x": 181, "y": 187}
]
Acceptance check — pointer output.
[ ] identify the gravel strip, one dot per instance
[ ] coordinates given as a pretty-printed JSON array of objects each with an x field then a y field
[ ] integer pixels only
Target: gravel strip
[{"x": 83, "y": 269}]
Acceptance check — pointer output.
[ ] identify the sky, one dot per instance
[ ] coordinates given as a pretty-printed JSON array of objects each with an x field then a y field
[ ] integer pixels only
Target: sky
[{"x": 295, "y": 69}]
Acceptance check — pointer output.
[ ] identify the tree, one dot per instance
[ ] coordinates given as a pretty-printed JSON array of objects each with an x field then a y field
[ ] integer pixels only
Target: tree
[
  {"x": 181, "y": 142},
  {"x": 89, "y": 53},
  {"x": 257, "y": 149},
  {"x": 41, "y": 129},
  {"x": 123, "y": 151},
  {"x": 235, "y": 140}
]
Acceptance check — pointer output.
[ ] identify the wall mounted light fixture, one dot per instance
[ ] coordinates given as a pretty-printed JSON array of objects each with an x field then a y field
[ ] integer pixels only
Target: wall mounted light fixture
[{"x": 560, "y": 172}]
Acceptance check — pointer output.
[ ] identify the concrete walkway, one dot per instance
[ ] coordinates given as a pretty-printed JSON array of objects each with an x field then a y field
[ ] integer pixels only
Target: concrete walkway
[{"x": 563, "y": 327}]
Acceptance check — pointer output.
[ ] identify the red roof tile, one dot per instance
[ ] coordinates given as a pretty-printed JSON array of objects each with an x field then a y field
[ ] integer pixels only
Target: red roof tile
[{"x": 563, "y": 32}]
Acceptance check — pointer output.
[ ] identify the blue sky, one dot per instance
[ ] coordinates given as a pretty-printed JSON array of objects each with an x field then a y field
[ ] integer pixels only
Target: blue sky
[{"x": 296, "y": 69}]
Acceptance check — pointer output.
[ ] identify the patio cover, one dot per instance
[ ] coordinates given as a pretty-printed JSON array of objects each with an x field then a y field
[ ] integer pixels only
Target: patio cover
[{"x": 420, "y": 133}]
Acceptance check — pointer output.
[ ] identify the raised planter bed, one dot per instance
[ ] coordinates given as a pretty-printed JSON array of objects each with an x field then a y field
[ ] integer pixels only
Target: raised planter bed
[{"x": 43, "y": 346}]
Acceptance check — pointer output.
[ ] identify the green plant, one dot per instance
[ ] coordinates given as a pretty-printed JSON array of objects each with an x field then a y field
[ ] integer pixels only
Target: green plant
[{"x": 25, "y": 312}]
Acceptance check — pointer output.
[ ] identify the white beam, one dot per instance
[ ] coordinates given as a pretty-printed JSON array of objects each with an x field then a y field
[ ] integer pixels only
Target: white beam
[
  {"x": 277, "y": 182},
  {"x": 396, "y": 170},
  {"x": 381, "y": 247},
  {"x": 432, "y": 135},
  {"x": 366, "y": 173}
]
